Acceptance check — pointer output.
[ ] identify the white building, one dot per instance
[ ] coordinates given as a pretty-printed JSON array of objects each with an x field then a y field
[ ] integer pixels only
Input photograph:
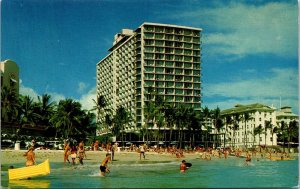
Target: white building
[
  {"x": 240, "y": 132},
  {"x": 285, "y": 114},
  {"x": 155, "y": 57}
]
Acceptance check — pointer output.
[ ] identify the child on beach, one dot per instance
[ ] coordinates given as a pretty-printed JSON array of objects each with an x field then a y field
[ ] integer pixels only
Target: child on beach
[{"x": 103, "y": 166}]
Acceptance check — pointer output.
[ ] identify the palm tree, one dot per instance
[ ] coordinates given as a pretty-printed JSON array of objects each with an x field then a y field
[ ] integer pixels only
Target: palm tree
[
  {"x": 169, "y": 112},
  {"x": 121, "y": 118},
  {"x": 45, "y": 109},
  {"x": 100, "y": 104},
  {"x": 159, "y": 120},
  {"x": 29, "y": 114},
  {"x": 67, "y": 117},
  {"x": 237, "y": 119},
  {"x": 273, "y": 131},
  {"x": 218, "y": 123},
  {"x": 283, "y": 133},
  {"x": 149, "y": 112},
  {"x": 268, "y": 125},
  {"x": 194, "y": 125},
  {"x": 9, "y": 104},
  {"x": 228, "y": 121},
  {"x": 258, "y": 131},
  {"x": 292, "y": 131},
  {"x": 246, "y": 118},
  {"x": 207, "y": 114}
]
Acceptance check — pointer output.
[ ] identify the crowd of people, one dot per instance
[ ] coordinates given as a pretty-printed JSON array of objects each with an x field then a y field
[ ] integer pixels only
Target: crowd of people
[{"x": 77, "y": 152}]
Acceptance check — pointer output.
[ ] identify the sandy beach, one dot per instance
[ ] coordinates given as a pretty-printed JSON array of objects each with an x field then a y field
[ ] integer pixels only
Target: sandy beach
[{"x": 10, "y": 157}]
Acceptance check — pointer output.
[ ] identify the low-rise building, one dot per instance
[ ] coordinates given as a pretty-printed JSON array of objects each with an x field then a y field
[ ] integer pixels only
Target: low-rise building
[
  {"x": 250, "y": 125},
  {"x": 9, "y": 75}
]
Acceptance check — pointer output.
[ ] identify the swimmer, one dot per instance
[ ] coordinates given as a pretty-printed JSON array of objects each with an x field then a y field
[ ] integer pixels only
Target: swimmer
[
  {"x": 103, "y": 166},
  {"x": 183, "y": 166}
]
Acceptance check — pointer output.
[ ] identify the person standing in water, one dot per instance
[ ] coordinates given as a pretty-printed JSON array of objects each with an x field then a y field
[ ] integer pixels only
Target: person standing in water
[
  {"x": 142, "y": 151},
  {"x": 67, "y": 152},
  {"x": 103, "y": 166},
  {"x": 30, "y": 157},
  {"x": 81, "y": 152},
  {"x": 183, "y": 167},
  {"x": 73, "y": 153}
]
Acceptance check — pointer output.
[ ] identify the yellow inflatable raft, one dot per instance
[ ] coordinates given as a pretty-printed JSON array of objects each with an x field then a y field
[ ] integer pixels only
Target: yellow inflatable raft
[{"x": 30, "y": 171}]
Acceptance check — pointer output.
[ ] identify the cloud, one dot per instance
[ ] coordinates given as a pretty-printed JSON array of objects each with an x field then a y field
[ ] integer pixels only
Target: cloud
[
  {"x": 86, "y": 100},
  {"x": 283, "y": 83},
  {"x": 27, "y": 91},
  {"x": 81, "y": 87},
  {"x": 239, "y": 29},
  {"x": 34, "y": 95}
]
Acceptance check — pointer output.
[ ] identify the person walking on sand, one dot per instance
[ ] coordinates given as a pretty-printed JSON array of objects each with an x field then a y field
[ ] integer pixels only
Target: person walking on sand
[
  {"x": 142, "y": 151},
  {"x": 103, "y": 166},
  {"x": 30, "y": 157}
]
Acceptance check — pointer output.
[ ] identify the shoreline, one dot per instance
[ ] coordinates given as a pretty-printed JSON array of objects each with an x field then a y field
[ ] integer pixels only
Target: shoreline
[
  {"x": 16, "y": 156},
  {"x": 10, "y": 157}
]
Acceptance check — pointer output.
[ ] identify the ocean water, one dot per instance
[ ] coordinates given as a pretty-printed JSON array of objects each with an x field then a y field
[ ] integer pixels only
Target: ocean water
[{"x": 217, "y": 173}]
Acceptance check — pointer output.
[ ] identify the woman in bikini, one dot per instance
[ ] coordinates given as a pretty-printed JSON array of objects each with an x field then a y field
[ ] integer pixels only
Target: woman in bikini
[{"x": 30, "y": 157}]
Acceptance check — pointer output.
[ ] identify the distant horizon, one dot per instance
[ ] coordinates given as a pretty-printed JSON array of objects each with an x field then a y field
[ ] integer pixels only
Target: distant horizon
[{"x": 249, "y": 49}]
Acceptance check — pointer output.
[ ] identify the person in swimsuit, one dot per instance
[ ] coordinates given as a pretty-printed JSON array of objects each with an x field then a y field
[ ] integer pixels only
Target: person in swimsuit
[
  {"x": 142, "y": 151},
  {"x": 67, "y": 152},
  {"x": 183, "y": 166},
  {"x": 30, "y": 157},
  {"x": 81, "y": 154},
  {"x": 73, "y": 153},
  {"x": 103, "y": 166}
]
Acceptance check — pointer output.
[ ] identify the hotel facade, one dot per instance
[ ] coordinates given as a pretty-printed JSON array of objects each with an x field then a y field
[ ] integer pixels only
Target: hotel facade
[
  {"x": 240, "y": 131},
  {"x": 154, "y": 57}
]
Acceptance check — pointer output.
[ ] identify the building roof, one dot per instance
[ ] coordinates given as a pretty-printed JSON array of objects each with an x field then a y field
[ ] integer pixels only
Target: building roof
[
  {"x": 170, "y": 25},
  {"x": 248, "y": 108}
]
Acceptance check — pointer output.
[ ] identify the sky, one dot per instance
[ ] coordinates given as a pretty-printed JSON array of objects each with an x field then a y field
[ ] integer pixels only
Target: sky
[{"x": 249, "y": 47}]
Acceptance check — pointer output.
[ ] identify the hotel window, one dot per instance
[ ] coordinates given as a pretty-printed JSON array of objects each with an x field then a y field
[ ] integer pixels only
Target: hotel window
[
  {"x": 169, "y": 44},
  {"x": 149, "y": 42},
  {"x": 169, "y": 30}
]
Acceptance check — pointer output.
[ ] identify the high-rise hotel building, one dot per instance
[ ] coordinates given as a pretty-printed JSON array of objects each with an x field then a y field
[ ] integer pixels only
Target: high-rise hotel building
[{"x": 155, "y": 57}]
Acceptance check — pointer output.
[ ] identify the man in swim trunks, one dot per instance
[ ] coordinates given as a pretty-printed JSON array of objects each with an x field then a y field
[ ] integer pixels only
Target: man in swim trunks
[
  {"x": 103, "y": 166},
  {"x": 183, "y": 166}
]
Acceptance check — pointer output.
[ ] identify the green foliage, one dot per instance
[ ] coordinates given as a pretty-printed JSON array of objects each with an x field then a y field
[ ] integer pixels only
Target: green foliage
[{"x": 66, "y": 118}]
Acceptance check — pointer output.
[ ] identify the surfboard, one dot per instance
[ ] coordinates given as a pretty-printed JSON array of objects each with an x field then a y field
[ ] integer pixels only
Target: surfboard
[
  {"x": 30, "y": 171},
  {"x": 188, "y": 165}
]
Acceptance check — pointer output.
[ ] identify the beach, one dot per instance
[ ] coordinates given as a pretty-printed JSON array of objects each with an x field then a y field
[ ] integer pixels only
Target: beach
[{"x": 12, "y": 157}]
